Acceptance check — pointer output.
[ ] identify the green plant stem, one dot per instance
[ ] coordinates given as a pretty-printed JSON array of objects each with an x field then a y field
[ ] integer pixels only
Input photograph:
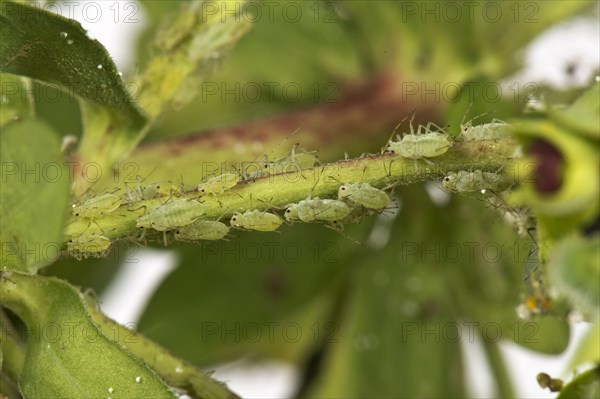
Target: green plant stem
[
  {"x": 279, "y": 190},
  {"x": 504, "y": 385},
  {"x": 174, "y": 371},
  {"x": 361, "y": 120}
]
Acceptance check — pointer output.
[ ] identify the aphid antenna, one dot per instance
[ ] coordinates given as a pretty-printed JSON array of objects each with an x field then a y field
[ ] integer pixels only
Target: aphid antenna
[
  {"x": 171, "y": 196},
  {"x": 465, "y": 126},
  {"x": 87, "y": 194},
  {"x": 340, "y": 230},
  {"x": 410, "y": 115},
  {"x": 268, "y": 204},
  {"x": 139, "y": 182},
  {"x": 462, "y": 121},
  {"x": 137, "y": 177},
  {"x": 317, "y": 181},
  {"x": 286, "y": 138}
]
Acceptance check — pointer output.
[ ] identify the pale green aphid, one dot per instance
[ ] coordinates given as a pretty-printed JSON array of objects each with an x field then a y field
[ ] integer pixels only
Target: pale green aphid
[
  {"x": 202, "y": 230},
  {"x": 290, "y": 163},
  {"x": 465, "y": 182},
  {"x": 487, "y": 131},
  {"x": 293, "y": 162},
  {"x": 177, "y": 213},
  {"x": 364, "y": 194},
  {"x": 219, "y": 184},
  {"x": 421, "y": 145},
  {"x": 256, "y": 220},
  {"x": 97, "y": 207},
  {"x": 88, "y": 245},
  {"x": 316, "y": 209},
  {"x": 154, "y": 190}
]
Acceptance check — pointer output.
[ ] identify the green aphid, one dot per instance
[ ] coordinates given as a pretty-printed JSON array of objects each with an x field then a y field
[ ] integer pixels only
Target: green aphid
[
  {"x": 154, "y": 190},
  {"x": 88, "y": 245},
  {"x": 364, "y": 194},
  {"x": 202, "y": 230},
  {"x": 486, "y": 131},
  {"x": 311, "y": 210},
  {"x": 97, "y": 207},
  {"x": 294, "y": 162},
  {"x": 421, "y": 145},
  {"x": 219, "y": 184},
  {"x": 256, "y": 220},
  {"x": 177, "y": 213},
  {"x": 467, "y": 182}
]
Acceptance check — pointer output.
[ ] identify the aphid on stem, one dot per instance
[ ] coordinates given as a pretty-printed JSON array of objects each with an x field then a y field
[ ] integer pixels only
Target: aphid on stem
[
  {"x": 256, "y": 220},
  {"x": 421, "y": 144},
  {"x": 170, "y": 215},
  {"x": 472, "y": 181},
  {"x": 202, "y": 230},
  {"x": 85, "y": 246},
  {"x": 364, "y": 194},
  {"x": 97, "y": 207},
  {"x": 219, "y": 185}
]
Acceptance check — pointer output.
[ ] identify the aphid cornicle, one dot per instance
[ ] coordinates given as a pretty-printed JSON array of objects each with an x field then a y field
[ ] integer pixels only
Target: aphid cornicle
[
  {"x": 256, "y": 220},
  {"x": 364, "y": 194},
  {"x": 466, "y": 181},
  {"x": 177, "y": 213},
  {"x": 88, "y": 245},
  {"x": 202, "y": 230},
  {"x": 316, "y": 209},
  {"x": 218, "y": 184},
  {"x": 97, "y": 207}
]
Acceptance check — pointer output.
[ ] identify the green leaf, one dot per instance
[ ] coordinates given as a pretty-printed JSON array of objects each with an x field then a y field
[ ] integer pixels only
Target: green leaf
[
  {"x": 574, "y": 267},
  {"x": 175, "y": 371},
  {"x": 588, "y": 349},
  {"x": 13, "y": 100},
  {"x": 34, "y": 195},
  {"x": 546, "y": 334},
  {"x": 409, "y": 302},
  {"x": 67, "y": 355},
  {"x": 201, "y": 33},
  {"x": 51, "y": 48},
  {"x": 583, "y": 116},
  {"x": 584, "y": 386},
  {"x": 285, "y": 284}
]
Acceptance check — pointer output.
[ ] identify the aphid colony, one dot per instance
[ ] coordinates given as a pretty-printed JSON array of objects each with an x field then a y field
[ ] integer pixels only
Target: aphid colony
[{"x": 184, "y": 218}]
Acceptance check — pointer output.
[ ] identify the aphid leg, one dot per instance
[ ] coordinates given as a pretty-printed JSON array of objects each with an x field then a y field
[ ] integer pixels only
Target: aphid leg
[
  {"x": 171, "y": 196},
  {"x": 96, "y": 223},
  {"x": 387, "y": 143},
  {"x": 388, "y": 173},
  {"x": 428, "y": 161},
  {"x": 143, "y": 235},
  {"x": 340, "y": 230}
]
